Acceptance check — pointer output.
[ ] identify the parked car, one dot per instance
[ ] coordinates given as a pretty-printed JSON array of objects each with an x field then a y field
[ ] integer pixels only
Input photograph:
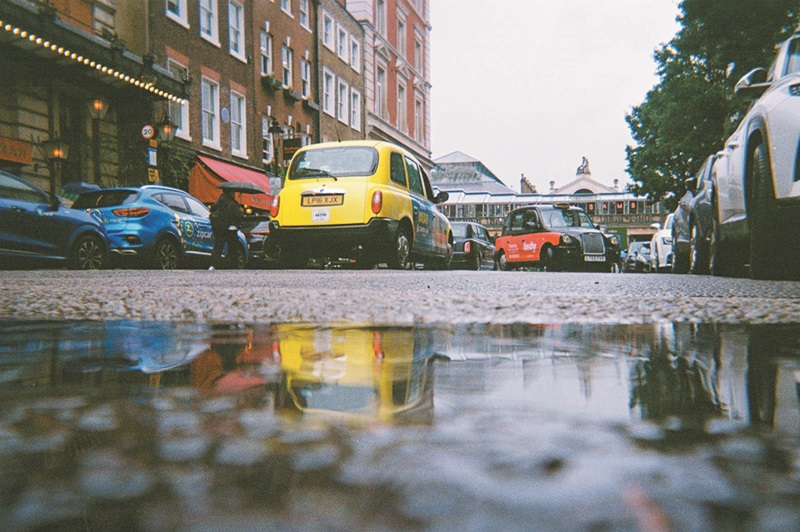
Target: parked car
[
  {"x": 691, "y": 225},
  {"x": 365, "y": 200},
  {"x": 157, "y": 226},
  {"x": 554, "y": 237},
  {"x": 756, "y": 175},
  {"x": 661, "y": 256},
  {"x": 36, "y": 229},
  {"x": 644, "y": 261},
  {"x": 632, "y": 262},
  {"x": 256, "y": 230},
  {"x": 472, "y": 246}
]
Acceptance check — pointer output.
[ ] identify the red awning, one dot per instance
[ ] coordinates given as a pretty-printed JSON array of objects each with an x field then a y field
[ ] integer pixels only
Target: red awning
[{"x": 208, "y": 173}]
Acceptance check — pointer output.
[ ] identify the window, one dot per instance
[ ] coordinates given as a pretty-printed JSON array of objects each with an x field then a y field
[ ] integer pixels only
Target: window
[
  {"x": 380, "y": 16},
  {"x": 265, "y": 49},
  {"x": 174, "y": 202},
  {"x": 355, "y": 109},
  {"x": 397, "y": 170},
  {"x": 418, "y": 51},
  {"x": 286, "y": 62},
  {"x": 236, "y": 24},
  {"x": 176, "y": 10},
  {"x": 327, "y": 30},
  {"x": 341, "y": 44},
  {"x": 327, "y": 92},
  {"x": 209, "y": 28},
  {"x": 304, "y": 20},
  {"x": 286, "y": 6},
  {"x": 238, "y": 125},
  {"x": 305, "y": 78},
  {"x": 414, "y": 179},
  {"x": 401, "y": 37},
  {"x": 402, "y": 110},
  {"x": 380, "y": 92},
  {"x": 343, "y": 102},
  {"x": 179, "y": 112},
  {"x": 355, "y": 54},
  {"x": 210, "y": 111},
  {"x": 196, "y": 208},
  {"x": 103, "y": 14},
  {"x": 418, "y": 117},
  {"x": 266, "y": 136}
]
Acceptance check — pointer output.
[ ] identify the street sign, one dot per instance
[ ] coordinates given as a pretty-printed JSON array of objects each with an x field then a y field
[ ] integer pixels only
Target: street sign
[
  {"x": 152, "y": 175},
  {"x": 148, "y": 131}
]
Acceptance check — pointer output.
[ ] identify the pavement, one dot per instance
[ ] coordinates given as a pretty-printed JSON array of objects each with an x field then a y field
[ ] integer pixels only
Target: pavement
[{"x": 394, "y": 297}]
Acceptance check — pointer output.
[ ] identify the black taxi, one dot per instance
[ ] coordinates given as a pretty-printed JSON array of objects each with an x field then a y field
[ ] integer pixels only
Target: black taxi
[{"x": 554, "y": 237}]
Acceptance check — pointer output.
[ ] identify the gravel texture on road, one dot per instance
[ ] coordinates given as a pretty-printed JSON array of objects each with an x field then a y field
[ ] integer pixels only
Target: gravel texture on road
[{"x": 394, "y": 297}]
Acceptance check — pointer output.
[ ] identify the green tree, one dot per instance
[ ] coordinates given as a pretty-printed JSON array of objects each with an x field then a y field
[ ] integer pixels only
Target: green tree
[{"x": 691, "y": 111}]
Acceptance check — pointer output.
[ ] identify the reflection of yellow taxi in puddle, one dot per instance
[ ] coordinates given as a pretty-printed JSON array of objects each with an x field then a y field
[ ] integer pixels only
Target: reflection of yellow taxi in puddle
[{"x": 356, "y": 372}]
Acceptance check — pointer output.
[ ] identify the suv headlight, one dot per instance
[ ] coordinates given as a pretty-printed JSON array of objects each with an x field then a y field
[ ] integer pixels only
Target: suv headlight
[
  {"x": 567, "y": 239},
  {"x": 614, "y": 241}
]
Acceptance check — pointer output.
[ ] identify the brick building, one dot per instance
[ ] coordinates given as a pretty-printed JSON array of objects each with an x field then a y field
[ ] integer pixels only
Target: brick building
[
  {"x": 397, "y": 71},
  {"x": 340, "y": 74}
]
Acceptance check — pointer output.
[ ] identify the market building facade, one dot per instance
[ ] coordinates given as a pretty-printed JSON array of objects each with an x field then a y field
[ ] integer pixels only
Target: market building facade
[{"x": 477, "y": 194}]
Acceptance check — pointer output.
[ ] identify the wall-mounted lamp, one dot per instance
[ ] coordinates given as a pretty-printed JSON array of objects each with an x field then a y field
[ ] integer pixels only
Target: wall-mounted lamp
[
  {"x": 166, "y": 130},
  {"x": 56, "y": 149},
  {"x": 98, "y": 108}
]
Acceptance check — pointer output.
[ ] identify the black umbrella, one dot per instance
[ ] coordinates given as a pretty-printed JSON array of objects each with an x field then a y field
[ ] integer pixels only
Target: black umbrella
[{"x": 241, "y": 186}]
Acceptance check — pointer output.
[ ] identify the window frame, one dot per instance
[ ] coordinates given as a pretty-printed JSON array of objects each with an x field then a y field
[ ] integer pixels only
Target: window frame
[
  {"x": 182, "y": 130},
  {"x": 355, "y": 54},
  {"x": 267, "y": 146},
  {"x": 343, "y": 103},
  {"x": 238, "y": 104},
  {"x": 182, "y": 16},
  {"x": 287, "y": 66},
  {"x": 402, "y": 34},
  {"x": 210, "y": 117},
  {"x": 355, "y": 109},
  {"x": 265, "y": 53},
  {"x": 402, "y": 104},
  {"x": 305, "y": 14},
  {"x": 328, "y": 31},
  {"x": 239, "y": 40},
  {"x": 213, "y": 37},
  {"x": 328, "y": 92},
  {"x": 305, "y": 77},
  {"x": 288, "y": 8},
  {"x": 343, "y": 43}
]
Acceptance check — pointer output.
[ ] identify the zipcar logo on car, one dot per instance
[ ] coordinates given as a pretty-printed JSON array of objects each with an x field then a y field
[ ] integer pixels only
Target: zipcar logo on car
[{"x": 188, "y": 228}]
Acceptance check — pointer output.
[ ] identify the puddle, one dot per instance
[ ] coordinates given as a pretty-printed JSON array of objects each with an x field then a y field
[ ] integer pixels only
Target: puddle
[{"x": 161, "y": 426}]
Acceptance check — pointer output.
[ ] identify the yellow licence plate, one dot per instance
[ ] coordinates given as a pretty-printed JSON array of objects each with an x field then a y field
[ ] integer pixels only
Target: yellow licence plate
[{"x": 316, "y": 201}]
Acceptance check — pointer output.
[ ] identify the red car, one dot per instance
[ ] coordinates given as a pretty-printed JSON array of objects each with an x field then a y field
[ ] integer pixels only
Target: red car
[{"x": 554, "y": 237}]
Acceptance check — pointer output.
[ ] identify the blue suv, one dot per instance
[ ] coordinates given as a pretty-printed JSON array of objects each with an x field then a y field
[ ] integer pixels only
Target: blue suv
[
  {"x": 36, "y": 228},
  {"x": 156, "y": 226}
]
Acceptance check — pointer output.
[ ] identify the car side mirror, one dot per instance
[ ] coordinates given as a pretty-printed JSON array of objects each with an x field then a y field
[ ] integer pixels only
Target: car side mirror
[
  {"x": 691, "y": 184},
  {"x": 656, "y": 226},
  {"x": 55, "y": 202},
  {"x": 752, "y": 85},
  {"x": 441, "y": 197}
]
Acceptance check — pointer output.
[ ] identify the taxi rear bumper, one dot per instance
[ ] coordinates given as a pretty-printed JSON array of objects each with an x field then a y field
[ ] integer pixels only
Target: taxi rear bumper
[{"x": 334, "y": 240}]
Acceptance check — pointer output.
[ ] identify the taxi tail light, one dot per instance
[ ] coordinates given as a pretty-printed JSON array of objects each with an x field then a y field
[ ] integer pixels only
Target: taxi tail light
[
  {"x": 275, "y": 206},
  {"x": 131, "y": 212},
  {"x": 467, "y": 247},
  {"x": 377, "y": 201}
]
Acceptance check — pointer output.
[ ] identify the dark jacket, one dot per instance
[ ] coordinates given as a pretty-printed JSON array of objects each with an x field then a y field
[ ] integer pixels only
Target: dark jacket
[{"x": 225, "y": 212}]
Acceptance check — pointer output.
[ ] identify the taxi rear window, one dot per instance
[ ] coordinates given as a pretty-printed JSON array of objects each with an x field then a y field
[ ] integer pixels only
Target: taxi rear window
[{"x": 335, "y": 162}]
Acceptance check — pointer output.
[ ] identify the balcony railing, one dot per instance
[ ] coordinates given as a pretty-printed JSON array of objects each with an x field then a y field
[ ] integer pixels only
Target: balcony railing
[{"x": 610, "y": 220}]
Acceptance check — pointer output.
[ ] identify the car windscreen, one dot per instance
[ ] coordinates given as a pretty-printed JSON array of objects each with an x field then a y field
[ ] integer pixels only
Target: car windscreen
[
  {"x": 460, "y": 230},
  {"x": 105, "y": 198},
  {"x": 559, "y": 218},
  {"x": 335, "y": 162}
]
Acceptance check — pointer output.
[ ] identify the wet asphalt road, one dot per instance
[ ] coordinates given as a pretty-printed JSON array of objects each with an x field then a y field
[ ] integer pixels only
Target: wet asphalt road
[{"x": 392, "y": 297}]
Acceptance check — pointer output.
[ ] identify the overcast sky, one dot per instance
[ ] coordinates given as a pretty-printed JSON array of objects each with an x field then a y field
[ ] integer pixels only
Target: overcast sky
[{"x": 531, "y": 86}]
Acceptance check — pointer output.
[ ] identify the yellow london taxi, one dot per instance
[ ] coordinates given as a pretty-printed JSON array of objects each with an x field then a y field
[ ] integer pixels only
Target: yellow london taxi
[{"x": 370, "y": 201}]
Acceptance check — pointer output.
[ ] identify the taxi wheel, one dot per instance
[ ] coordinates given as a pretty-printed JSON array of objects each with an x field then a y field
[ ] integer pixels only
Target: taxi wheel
[
  {"x": 477, "y": 260},
  {"x": 548, "y": 263},
  {"x": 400, "y": 255},
  {"x": 502, "y": 262},
  {"x": 167, "y": 255}
]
